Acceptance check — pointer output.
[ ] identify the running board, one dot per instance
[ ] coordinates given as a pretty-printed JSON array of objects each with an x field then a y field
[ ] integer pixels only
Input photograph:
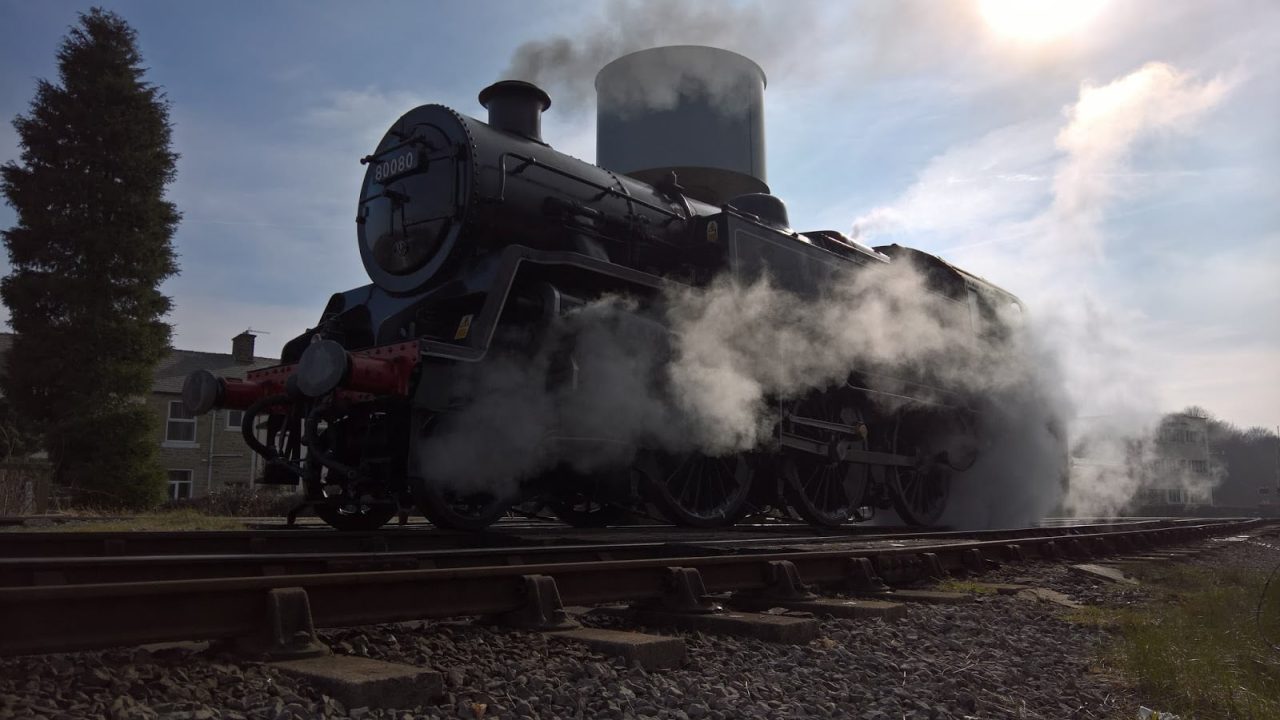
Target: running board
[
  {"x": 846, "y": 451},
  {"x": 824, "y": 425}
]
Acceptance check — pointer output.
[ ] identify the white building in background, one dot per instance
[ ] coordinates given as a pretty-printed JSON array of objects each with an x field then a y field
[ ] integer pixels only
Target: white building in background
[
  {"x": 1178, "y": 467},
  {"x": 1127, "y": 461}
]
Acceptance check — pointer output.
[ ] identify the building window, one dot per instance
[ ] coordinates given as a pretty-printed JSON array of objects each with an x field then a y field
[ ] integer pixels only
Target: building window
[
  {"x": 180, "y": 484},
  {"x": 181, "y": 426},
  {"x": 234, "y": 419}
]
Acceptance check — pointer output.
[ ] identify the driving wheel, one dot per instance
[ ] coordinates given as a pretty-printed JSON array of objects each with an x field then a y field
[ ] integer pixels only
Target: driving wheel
[
  {"x": 824, "y": 490},
  {"x": 921, "y": 491},
  {"x": 454, "y": 509},
  {"x": 695, "y": 490}
]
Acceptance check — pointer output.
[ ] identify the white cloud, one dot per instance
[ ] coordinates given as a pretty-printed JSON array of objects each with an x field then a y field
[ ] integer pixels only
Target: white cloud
[
  {"x": 361, "y": 116},
  {"x": 998, "y": 186},
  {"x": 966, "y": 190},
  {"x": 1194, "y": 372},
  {"x": 1104, "y": 126},
  {"x": 574, "y": 136}
]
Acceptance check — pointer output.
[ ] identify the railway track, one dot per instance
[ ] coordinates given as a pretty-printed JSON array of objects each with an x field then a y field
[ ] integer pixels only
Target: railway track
[
  {"x": 223, "y": 596},
  {"x": 151, "y": 557},
  {"x": 85, "y": 544}
]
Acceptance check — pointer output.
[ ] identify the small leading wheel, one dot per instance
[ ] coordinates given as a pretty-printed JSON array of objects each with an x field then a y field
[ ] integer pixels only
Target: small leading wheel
[
  {"x": 824, "y": 490},
  {"x": 343, "y": 508},
  {"x": 451, "y": 509},
  {"x": 358, "y": 518},
  {"x": 695, "y": 490},
  {"x": 580, "y": 510},
  {"x": 920, "y": 493},
  {"x": 355, "y": 514}
]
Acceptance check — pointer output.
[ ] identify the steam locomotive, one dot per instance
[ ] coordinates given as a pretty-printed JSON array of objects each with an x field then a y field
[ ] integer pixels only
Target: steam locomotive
[{"x": 479, "y": 238}]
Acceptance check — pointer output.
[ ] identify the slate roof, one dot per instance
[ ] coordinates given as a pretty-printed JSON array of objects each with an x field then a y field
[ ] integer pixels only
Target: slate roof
[{"x": 173, "y": 370}]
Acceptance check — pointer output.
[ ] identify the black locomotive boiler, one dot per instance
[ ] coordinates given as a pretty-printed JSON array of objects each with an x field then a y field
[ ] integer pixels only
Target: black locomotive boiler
[{"x": 478, "y": 236}]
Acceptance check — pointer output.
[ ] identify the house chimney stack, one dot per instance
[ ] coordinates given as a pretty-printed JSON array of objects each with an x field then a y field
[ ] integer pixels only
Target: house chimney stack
[{"x": 242, "y": 348}]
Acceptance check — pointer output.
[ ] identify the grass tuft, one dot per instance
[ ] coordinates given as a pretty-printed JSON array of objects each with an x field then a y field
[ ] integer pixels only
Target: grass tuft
[
  {"x": 966, "y": 586},
  {"x": 183, "y": 519},
  {"x": 1200, "y": 647}
]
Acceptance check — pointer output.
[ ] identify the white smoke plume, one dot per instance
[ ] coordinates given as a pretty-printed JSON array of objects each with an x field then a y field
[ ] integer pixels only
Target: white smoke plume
[
  {"x": 898, "y": 37},
  {"x": 706, "y": 372},
  {"x": 1055, "y": 257},
  {"x": 739, "y": 345},
  {"x": 742, "y": 345},
  {"x": 567, "y": 65}
]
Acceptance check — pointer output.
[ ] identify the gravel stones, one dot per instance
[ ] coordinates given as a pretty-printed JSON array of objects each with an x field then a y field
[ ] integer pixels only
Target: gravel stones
[
  {"x": 995, "y": 657},
  {"x": 136, "y": 683}
]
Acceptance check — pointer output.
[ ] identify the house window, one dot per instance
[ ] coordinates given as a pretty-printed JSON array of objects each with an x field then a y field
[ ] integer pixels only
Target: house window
[
  {"x": 181, "y": 426},
  {"x": 234, "y": 419},
  {"x": 180, "y": 484}
]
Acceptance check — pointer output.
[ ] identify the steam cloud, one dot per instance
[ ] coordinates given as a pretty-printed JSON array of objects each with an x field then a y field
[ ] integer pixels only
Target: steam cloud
[
  {"x": 1058, "y": 256},
  {"x": 566, "y": 66},
  {"x": 708, "y": 384}
]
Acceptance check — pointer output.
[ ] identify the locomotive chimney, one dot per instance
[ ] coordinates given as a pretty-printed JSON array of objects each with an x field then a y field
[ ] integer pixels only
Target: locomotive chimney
[{"x": 516, "y": 106}]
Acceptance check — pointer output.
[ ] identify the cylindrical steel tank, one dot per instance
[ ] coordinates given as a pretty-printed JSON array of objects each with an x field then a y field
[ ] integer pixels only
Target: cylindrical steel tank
[{"x": 697, "y": 111}]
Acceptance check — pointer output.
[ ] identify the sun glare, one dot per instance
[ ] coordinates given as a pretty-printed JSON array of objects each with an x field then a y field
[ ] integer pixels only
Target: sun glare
[{"x": 1035, "y": 21}]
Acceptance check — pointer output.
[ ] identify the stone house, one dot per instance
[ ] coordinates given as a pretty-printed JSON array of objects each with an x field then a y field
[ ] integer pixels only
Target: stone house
[
  {"x": 201, "y": 454},
  {"x": 198, "y": 454}
]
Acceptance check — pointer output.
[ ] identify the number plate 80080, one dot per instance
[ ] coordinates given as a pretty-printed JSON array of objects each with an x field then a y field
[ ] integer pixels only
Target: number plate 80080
[{"x": 405, "y": 162}]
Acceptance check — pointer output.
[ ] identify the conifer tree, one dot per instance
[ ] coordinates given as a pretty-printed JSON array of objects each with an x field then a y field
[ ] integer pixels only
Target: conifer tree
[{"x": 90, "y": 248}]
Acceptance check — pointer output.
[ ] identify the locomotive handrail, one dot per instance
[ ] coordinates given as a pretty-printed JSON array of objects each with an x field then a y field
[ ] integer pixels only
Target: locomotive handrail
[
  {"x": 413, "y": 139},
  {"x": 907, "y": 384},
  {"x": 530, "y": 161},
  {"x": 911, "y": 398}
]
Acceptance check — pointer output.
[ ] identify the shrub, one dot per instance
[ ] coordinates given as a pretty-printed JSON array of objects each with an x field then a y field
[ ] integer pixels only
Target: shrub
[{"x": 241, "y": 501}]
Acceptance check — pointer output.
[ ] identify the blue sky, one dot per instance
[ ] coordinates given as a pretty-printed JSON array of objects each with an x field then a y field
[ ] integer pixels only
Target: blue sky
[{"x": 1119, "y": 175}]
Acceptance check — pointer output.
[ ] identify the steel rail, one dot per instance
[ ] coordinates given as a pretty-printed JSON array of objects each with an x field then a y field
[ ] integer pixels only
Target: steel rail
[
  {"x": 19, "y": 572},
  {"x": 35, "y": 571},
  {"x": 81, "y": 617},
  {"x": 324, "y": 540}
]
